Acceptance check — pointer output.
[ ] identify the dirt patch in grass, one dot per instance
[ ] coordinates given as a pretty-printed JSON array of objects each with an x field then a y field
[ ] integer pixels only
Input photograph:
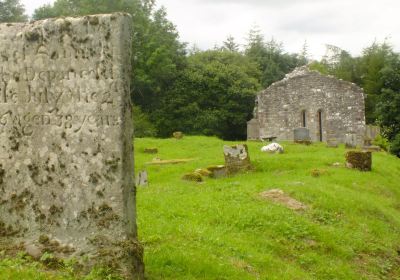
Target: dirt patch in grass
[{"x": 279, "y": 197}]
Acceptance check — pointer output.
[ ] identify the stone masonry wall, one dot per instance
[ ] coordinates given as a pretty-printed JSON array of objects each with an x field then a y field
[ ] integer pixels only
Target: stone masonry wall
[
  {"x": 280, "y": 107},
  {"x": 66, "y": 154}
]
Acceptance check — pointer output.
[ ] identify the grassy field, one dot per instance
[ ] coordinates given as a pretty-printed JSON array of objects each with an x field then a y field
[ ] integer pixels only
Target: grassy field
[{"x": 222, "y": 229}]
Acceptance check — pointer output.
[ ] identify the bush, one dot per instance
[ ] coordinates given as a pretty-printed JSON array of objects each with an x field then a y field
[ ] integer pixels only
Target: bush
[
  {"x": 143, "y": 126},
  {"x": 395, "y": 146},
  {"x": 382, "y": 142}
]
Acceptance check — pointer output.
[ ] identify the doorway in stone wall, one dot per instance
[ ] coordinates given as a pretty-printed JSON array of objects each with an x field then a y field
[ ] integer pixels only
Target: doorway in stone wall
[{"x": 320, "y": 129}]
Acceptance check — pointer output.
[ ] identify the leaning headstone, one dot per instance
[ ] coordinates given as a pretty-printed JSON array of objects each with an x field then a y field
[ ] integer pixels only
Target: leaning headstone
[
  {"x": 66, "y": 133},
  {"x": 350, "y": 140},
  {"x": 142, "y": 179},
  {"x": 360, "y": 160},
  {"x": 302, "y": 135},
  {"x": 237, "y": 158}
]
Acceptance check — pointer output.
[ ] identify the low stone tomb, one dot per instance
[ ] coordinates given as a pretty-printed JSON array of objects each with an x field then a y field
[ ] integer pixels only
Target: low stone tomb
[{"x": 217, "y": 171}]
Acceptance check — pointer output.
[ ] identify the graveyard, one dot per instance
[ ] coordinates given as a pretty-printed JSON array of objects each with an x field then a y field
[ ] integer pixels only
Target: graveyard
[
  {"x": 224, "y": 229},
  {"x": 128, "y": 152}
]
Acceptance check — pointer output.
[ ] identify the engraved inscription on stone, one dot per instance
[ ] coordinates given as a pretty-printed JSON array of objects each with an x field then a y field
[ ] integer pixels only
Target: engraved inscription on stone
[{"x": 66, "y": 154}]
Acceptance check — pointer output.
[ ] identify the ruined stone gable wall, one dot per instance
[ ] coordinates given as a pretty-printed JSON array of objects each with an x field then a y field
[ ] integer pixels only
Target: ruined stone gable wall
[
  {"x": 342, "y": 105},
  {"x": 66, "y": 154}
]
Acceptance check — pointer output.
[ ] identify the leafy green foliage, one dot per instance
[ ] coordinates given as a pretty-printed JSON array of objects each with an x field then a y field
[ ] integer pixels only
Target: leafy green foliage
[
  {"x": 395, "y": 146},
  {"x": 372, "y": 63},
  {"x": 213, "y": 96},
  {"x": 158, "y": 59},
  {"x": 382, "y": 142},
  {"x": 142, "y": 124},
  {"x": 12, "y": 11}
]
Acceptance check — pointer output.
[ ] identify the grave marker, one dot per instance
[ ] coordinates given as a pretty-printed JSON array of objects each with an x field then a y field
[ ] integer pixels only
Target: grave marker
[{"x": 66, "y": 134}]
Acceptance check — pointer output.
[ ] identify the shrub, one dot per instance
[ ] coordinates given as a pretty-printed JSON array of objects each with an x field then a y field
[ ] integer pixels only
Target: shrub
[
  {"x": 382, "y": 142},
  {"x": 143, "y": 126},
  {"x": 395, "y": 146}
]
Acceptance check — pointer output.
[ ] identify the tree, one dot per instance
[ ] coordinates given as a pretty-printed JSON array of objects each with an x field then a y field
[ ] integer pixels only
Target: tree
[
  {"x": 388, "y": 106},
  {"x": 372, "y": 62},
  {"x": 230, "y": 45},
  {"x": 213, "y": 96},
  {"x": 273, "y": 62},
  {"x": 12, "y": 11}
]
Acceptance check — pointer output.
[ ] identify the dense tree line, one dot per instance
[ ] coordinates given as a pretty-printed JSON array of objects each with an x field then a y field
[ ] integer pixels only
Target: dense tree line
[{"x": 212, "y": 92}]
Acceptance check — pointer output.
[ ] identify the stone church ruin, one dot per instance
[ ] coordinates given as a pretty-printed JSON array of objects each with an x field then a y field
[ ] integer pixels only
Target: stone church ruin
[
  {"x": 66, "y": 153},
  {"x": 331, "y": 109}
]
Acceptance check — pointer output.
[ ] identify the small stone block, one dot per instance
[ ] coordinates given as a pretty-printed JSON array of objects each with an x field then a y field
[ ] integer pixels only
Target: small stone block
[
  {"x": 151, "y": 151},
  {"x": 360, "y": 160}
]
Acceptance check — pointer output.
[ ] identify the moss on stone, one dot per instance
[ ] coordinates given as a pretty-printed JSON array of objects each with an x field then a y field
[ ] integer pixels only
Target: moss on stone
[
  {"x": 360, "y": 160},
  {"x": 7, "y": 230},
  {"x": 203, "y": 172},
  {"x": 19, "y": 202},
  {"x": 193, "y": 176}
]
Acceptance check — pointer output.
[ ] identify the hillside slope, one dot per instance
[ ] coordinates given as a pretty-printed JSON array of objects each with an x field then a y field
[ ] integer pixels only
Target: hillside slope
[{"x": 222, "y": 229}]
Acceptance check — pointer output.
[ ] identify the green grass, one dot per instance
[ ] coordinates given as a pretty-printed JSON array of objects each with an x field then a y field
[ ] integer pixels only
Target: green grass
[{"x": 221, "y": 229}]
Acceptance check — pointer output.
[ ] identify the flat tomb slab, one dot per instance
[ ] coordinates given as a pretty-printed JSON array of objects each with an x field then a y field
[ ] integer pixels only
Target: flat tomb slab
[{"x": 66, "y": 154}]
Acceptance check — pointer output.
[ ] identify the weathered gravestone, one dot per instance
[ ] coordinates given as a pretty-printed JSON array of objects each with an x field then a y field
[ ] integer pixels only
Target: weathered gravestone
[
  {"x": 350, "y": 140},
  {"x": 302, "y": 135},
  {"x": 237, "y": 159},
  {"x": 142, "y": 179},
  {"x": 66, "y": 166},
  {"x": 253, "y": 130}
]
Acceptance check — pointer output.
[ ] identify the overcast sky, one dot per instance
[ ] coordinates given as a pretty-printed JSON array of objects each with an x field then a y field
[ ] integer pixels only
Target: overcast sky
[{"x": 349, "y": 24}]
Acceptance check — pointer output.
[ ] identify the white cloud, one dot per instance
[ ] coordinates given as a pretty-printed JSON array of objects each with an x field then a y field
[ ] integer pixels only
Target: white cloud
[{"x": 349, "y": 24}]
